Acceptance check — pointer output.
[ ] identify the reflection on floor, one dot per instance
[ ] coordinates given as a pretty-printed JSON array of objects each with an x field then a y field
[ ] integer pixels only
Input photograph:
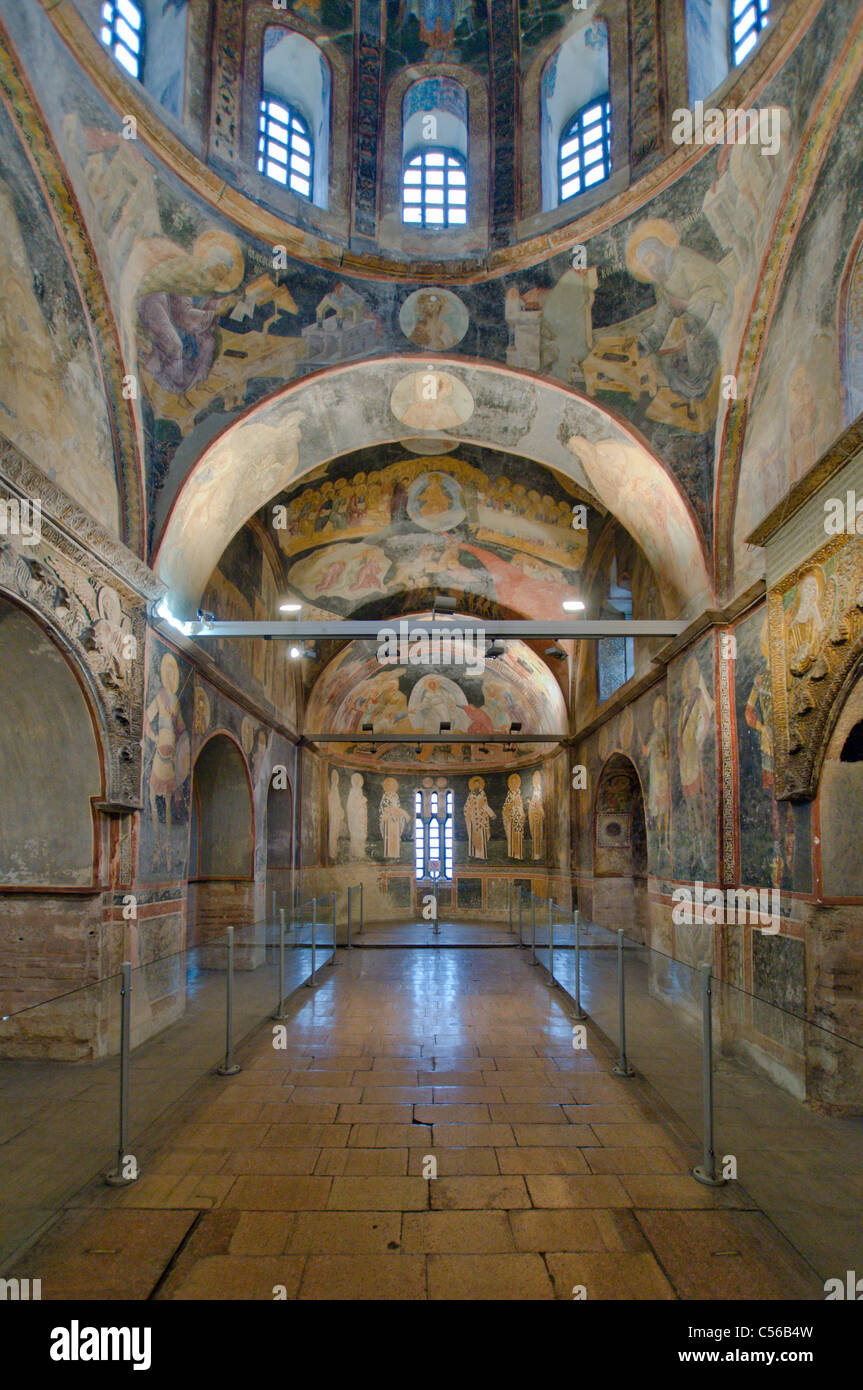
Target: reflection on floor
[
  {"x": 449, "y": 933},
  {"x": 308, "y": 1175}
]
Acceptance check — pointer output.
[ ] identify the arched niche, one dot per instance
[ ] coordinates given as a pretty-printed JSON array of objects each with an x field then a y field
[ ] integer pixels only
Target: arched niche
[
  {"x": 840, "y": 803},
  {"x": 393, "y": 233},
  {"x": 620, "y": 847},
  {"x": 309, "y": 67},
  {"x": 51, "y": 763},
  {"x": 222, "y": 812},
  {"x": 576, "y": 74},
  {"x": 834, "y": 961}
]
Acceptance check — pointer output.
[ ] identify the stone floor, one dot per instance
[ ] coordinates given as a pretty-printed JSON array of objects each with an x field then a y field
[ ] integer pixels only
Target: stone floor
[{"x": 307, "y": 1173}]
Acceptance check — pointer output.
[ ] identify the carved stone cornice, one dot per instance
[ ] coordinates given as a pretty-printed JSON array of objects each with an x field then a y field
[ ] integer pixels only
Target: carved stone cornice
[
  {"x": 816, "y": 648},
  {"x": 26, "y": 480}
]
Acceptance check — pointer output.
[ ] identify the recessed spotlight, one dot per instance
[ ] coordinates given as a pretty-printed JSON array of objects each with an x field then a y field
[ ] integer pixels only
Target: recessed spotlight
[
  {"x": 294, "y": 653},
  {"x": 573, "y": 605}
]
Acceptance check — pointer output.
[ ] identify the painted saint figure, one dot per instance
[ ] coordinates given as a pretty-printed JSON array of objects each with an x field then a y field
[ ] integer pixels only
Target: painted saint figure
[
  {"x": 393, "y": 818},
  {"x": 514, "y": 818},
  {"x": 478, "y": 817},
  {"x": 536, "y": 817},
  {"x": 759, "y": 717},
  {"x": 693, "y": 728},
  {"x": 164, "y": 725},
  {"x": 655, "y": 750},
  {"x": 358, "y": 817},
  {"x": 336, "y": 818}
]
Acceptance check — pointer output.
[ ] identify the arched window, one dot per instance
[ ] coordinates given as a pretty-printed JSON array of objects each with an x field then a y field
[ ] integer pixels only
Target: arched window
[
  {"x": 294, "y": 114},
  {"x": 584, "y": 151},
  {"x": 285, "y": 146},
  {"x": 419, "y": 836},
  {"x": 720, "y": 34},
  {"x": 435, "y": 189},
  {"x": 122, "y": 31},
  {"x": 434, "y": 154},
  {"x": 615, "y": 656},
  {"x": 748, "y": 18},
  {"x": 433, "y": 835},
  {"x": 575, "y": 81}
]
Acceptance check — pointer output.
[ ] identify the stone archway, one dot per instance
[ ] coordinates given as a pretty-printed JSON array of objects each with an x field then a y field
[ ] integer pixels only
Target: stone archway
[{"x": 221, "y": 842}]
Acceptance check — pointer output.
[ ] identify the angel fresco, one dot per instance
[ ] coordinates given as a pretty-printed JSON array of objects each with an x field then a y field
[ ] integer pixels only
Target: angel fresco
[{"x": 181, "y": 298}]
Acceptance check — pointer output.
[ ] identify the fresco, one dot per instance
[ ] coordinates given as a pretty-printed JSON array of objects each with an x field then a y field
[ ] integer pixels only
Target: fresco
[
  {"x": 415, "y": 523},
  {"x": 796, "y": 405},
  {"x": 169, "y": 716},
  {"x": 434, "y": 318},
  {"x": 355, "y": 690},
  {"x": 426, "y": 31},
  {"x": 52, "y": 400},
  {"x": 775, "y": 836},
  {"x": 692, "y": 720},
  {"x": 245, "y": 588},
  {"x": 369, "y": 817}
]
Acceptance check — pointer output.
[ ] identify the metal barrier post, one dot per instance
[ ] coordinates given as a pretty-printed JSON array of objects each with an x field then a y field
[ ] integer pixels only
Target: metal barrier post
[
  {"x": 520, "y": 934},
  {"x": 511, "y": 886},
  {"x": 332, "y": 960},
  {"x": 229, "y": 1067},
  {"x": 127, "y": 1165},
  {"x": 706, "y": 1172},
  {"x": 280, "y": 1006},
  {"x": 311, "y": 980},
  {"x": 579, "y": 1012},
  {"x": 436, "y": 928},
  {"x": 534, "y": 960},
  {"x": 362, "y": 911},
  {"x": 350, "y": 891},
  {"x": 622, "y": 1067}
]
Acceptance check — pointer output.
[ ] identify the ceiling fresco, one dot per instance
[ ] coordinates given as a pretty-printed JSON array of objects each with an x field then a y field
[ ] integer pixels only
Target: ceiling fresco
[
  {"x": 287, "y": 437},
  {"x": 355, "y": 689},
  {"x": 416, "y": 525}
]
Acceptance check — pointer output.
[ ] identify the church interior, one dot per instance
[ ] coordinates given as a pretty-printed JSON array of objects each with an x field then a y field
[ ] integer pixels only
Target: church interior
[{"x": 431, "y": 649}]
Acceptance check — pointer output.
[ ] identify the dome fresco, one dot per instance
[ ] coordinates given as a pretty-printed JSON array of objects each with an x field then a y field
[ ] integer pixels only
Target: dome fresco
[{"x": 355, "y": 690}]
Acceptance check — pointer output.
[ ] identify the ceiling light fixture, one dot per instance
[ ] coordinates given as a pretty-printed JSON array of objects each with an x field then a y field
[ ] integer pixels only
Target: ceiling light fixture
[
  {"x": 557, "y": 652},
  {"x": 290, "y": 607},
  {"x": 573, "y": 605},
  {"x": 442, "y": 603}
]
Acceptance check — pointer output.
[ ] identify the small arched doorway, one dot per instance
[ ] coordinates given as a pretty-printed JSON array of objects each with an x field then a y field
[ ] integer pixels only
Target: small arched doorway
[
  {"x": 221, "y": 842},
  {"x": 620, "y": 848}
]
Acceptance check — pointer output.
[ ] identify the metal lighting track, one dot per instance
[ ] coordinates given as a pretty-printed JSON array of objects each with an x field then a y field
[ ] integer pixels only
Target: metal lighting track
[
  {"x": 553, "y": 628},
  {"x": 447, "y": 738}
]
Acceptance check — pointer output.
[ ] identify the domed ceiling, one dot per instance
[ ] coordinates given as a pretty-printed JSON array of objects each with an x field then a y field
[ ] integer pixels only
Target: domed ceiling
[{"x": 404, "y": 699}]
